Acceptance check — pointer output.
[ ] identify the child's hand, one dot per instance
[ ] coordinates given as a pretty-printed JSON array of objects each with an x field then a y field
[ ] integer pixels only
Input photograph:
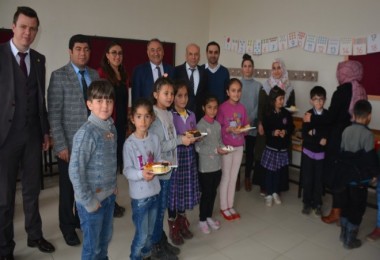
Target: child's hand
[
  {"x": 147, "y": 175},
  {"x": 233, "y": 130},
  {"x": 186, "y": 140},
  {"x": 261, "y": 129},
  {"x": 323, "y": 141},
  {"x": 221, "y": 151},
  {"x": 276, "y": 132},
  {"x": 307, "y": 117},
  {"x": 282, "y": 133}
]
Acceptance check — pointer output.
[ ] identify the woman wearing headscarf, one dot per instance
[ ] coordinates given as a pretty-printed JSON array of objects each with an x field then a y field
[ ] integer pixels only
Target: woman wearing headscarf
[
  {"x": 279, "y": 77},
  {"x": 349, "y": 74}
]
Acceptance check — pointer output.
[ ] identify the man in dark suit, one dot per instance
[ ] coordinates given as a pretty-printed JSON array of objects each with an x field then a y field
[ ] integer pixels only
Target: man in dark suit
[
  {"x": 147, "y": 73},
  {"x": 24, "y": 129},
  {"x": 67, "y": 112},
  {"x": 195, "y": 77}
]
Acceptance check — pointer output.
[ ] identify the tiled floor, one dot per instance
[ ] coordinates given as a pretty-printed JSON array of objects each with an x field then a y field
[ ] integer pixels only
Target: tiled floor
[{"x": 280, "y": 232}]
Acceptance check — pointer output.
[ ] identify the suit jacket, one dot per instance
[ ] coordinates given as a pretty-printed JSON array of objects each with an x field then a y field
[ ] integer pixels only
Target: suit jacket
[
  {"x": 195, "y": 101},
  {"x": 8, "y": 89},
  {"x": 67, "y": 110},
  {"x": 142, "y": 80}
]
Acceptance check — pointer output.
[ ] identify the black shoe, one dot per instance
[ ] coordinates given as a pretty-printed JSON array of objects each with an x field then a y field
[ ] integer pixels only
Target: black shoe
[
  {"x": 306, "y": 209},
  {"x": 118, "y": 211},
  {"x": 43, "y": 245},
  {"x": 318, "y": 211},
  {"x": 7, "y": 257},
  {"x": 72, "y": 239}
]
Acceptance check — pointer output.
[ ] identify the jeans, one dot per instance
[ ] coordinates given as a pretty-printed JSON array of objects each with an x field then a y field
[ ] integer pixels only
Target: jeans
[
  {"x": 161, "y": 208},
  {"x": 144, "y": 213},
  {"x": 97, "y": 229},
  {"x": 209, "y": 182}
]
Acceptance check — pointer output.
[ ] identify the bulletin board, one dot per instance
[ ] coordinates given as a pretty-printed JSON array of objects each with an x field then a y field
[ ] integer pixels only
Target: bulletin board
[
  {"x": 134, "y": 50},
  {"x": 371, "y": 73}
]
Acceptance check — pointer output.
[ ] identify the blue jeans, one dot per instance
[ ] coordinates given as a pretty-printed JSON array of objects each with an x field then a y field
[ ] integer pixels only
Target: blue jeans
[
  {"x": 144, "y": 213},
  {"x": 162, "y": 206},
  {"x": 97, "y": 229}
]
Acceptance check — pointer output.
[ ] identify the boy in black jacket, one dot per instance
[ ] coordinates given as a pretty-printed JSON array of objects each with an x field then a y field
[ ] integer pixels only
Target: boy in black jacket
[
  {"x": 359, "y": 165},
  {"x": 313, "y": 153}
]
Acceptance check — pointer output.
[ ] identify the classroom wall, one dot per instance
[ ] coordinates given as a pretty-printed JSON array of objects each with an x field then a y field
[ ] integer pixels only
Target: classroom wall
[
  {"x": 247, "y": 19},
  {"x": 181, "y": 22},
  {"x": 203, "y": 20}
]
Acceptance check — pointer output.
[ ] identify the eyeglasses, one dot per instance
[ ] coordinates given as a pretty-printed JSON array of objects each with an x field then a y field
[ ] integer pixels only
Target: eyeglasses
[
  {"x": 115, "y": 53},
  {"x": 318, "y": 99}
]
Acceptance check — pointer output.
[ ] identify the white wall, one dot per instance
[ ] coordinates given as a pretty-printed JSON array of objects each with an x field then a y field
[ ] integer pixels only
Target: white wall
[
  {"x": 254, "y": 19},
  {"x": 199, "y": 21}
]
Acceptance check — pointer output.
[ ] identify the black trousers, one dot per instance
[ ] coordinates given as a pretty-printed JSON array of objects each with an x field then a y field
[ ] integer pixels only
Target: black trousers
[
  {"x": 249, "y": 155},
  {"x": 208, "y": 183},
  {"x": 312, "y": 171},
  {"x": 354, "y": 203},
  {"x": 21, "y": 152},
  {"x": 68, "y": 221}
]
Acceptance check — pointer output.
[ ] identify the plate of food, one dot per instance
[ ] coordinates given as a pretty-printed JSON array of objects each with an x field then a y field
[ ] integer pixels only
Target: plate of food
[
  {"x": 195, "y": 133},
  {"x": 228, "y": 148},
  {"x": 292, "y": 109},
  {"x": 245, "y": 128},
  {"x": 158, "y": 167}
]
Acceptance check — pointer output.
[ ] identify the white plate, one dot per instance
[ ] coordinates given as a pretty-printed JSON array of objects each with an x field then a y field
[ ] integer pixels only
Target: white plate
[
  {"x": 161, "y": 173},
  {"x": 246, "y": 129},
  {"x": 202, "y": 135},
  {"x": 228, "y": 149},
  {"x": 292, "y": 110}
]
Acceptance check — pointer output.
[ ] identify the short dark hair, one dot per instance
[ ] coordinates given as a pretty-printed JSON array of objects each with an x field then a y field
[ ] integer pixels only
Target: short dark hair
[
  {"x": 210, "y": 98},
  {"x": 154, "y": 40},
  {"x": 248, "y": 58},
  {"x": 362, "y": 109},
  {"x": 79, "y": 38},
  {"x": 27, "y": 11},
  {"x": 318, "y": 91},
  {"x": 213, "y": 43},
  {"x": 100, "y": 89}
]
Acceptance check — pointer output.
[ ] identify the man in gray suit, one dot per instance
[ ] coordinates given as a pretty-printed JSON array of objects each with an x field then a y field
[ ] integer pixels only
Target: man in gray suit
[
  {"x": 24, "y": 129},
  {"x": 67, "y": 112}
]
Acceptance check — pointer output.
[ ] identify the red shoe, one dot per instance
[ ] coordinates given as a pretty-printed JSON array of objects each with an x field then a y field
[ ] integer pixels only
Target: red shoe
[
  {"x": 227, "y": 215},
  {"x": 234, "y": 214}
]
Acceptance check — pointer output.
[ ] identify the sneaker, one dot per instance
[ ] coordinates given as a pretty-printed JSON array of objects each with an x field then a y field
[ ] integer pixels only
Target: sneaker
[
  {"x": 203, "y": 226},
  {"x": 276, "y": 199},
  {"x": 374, "y": 235},
  {"x": 306, "y": 209},
  {"x": 234, "y": 214},
  {"x": 213, "y": 223},
  {"x": 269, "y": 201}
]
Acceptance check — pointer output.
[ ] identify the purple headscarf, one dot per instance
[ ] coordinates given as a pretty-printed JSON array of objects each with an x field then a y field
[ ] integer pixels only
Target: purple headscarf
[{"x": 351, "y": 71}]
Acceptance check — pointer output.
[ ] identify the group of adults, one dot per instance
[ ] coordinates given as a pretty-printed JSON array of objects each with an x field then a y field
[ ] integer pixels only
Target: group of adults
[{"x": 25, "y": 123}]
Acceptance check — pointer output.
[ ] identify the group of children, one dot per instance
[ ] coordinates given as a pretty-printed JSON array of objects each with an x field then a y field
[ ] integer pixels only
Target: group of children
[{"x": 159, "y": 134}]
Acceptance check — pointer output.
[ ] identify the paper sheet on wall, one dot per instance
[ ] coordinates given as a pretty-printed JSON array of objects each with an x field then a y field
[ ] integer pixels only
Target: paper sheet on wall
[
  {"x": 301, "y": 37},
  {"x": 359, "y": 46},
  {"x": 265, "y": 46},
  {"x": 227, "y": 43},
  {"x": 292, "y": 40},
  {"x": 373, "y": 43},
  {"x": 333, "y": 47},
  {"x": 310, "y": 43},
  {"x": 345, "y": 46},
  {"x": 273, "y": 44},
  {"x": 242, "y": 46},
  {"x": 249, "y": 47},
  {"x": 234, "y": 45},
  {"x": 321, "y": 46},
  {"x": 257, "y": 47},
  {"x": 282, "y": 42}
]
